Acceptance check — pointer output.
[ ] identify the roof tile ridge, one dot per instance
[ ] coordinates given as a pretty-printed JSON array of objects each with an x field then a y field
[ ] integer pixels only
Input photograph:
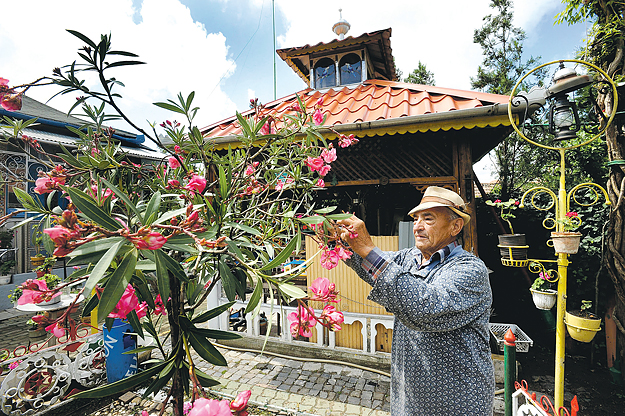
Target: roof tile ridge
[{"x": 469, "y": 94}]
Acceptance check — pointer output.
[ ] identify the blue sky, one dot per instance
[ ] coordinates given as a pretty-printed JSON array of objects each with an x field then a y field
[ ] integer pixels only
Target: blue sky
[{"x": 223, "y": 49}]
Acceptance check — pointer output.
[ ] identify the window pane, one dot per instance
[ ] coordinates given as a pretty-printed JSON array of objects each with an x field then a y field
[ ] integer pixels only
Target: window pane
[
  {"x": 351, "y": 69},
  {"x": 325, "y": 74}
]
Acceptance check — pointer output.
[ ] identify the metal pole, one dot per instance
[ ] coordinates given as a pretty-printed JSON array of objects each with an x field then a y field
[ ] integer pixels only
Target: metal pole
[
  {"x": 509, "y": 358},
  {"x": 563, "y": 263},
  {"x": 273, "y": 17}
]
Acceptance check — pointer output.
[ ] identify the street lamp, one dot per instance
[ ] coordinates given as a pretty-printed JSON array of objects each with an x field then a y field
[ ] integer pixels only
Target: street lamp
[
  {"x": 563, "y": 116},
  {"x": 564, "y": 123}
]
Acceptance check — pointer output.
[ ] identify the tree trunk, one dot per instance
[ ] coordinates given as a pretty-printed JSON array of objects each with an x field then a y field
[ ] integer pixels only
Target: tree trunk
[
  {"x": 616, "y": 235},
  {"x": 177, "y": 308}
]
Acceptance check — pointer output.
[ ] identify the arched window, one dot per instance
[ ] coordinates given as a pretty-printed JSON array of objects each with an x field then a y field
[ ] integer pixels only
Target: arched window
[
  {"x": 351, "y": 69},
  {"x": 325, "y": 73}
]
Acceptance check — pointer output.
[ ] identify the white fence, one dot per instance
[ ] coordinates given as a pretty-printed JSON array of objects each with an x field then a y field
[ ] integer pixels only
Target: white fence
[{"x": 253, "y": 324}]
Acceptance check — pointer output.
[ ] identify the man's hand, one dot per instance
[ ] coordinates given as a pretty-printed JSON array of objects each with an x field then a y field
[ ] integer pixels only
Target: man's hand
[{"x": 356, "y": 235}]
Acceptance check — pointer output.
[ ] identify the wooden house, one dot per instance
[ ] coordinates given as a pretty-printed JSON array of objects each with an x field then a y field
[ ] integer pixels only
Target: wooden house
[{"x": 411, "y": 136}]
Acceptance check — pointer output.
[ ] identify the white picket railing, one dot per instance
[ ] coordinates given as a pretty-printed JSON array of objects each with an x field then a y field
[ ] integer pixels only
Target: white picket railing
[{"x": 253, "y": 324}]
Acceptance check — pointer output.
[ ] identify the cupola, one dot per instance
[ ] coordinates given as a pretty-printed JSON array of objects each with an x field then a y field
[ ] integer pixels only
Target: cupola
[{"x": 343, "y": 61}]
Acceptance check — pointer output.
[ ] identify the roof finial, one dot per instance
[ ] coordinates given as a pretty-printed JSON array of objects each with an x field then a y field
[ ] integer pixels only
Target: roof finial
[{"x": 341, "y": 27}]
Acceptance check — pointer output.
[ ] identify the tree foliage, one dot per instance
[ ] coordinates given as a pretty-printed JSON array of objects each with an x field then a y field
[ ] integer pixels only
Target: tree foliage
[
  {"x": 421, "y": 75},
  {"x": 502, "y": 48}
]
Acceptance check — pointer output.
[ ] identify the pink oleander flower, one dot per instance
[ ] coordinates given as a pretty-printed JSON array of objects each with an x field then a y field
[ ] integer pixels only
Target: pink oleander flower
[
  {"x": 196, "y": 184},
  {"x": 319, "y": 102},
  {"x": 329, "y": 258},
  {"x": 56, "y": 329},
  {"x": 12, "y": 102},
  {"x": 314, "y": 163},
  {"x": 35, "y": 291},
  {"x": 329, "y": 155},
  {"x": 267, "y": 129},
  {"x": 59, "y": 234},
  {"x": 342, "y": 253},
  {"x": 173, "y": 183},
  {"x": 251, "y": 168},
  {"x": 324, "y": 170},
  {"x": 153, "y": 241},
  {"x": 14, "y": 364},
  {"x": 323, "y": 290},
  {"x": 186, "y": 407},
  {"x": 127, "y": 303},
  {"x": 177, "y": 149},
  {"x": 302, "y": 322},
  {"x": 44, "y": 186},
  {"x": 346, "y": 141},
  {"x": 105, "y": 193},
  {"x": 144, "y": 413},
  {"x": 333, "y": 317},
  {"x": 318, "y": 117},
  {"x": 159, "y": 306},
  {"x": 320, "y": 183},
  {"x": 239, "y": 404},
  {"x": 173, "y": 162},
  {"x": 4, "y": 87},
  {"x": 210, "y": 407},
  {"x": 94, "y": 151}
]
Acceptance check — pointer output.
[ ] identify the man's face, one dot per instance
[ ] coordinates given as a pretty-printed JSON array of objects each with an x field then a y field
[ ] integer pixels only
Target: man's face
[{"x": 434, "y": 230}]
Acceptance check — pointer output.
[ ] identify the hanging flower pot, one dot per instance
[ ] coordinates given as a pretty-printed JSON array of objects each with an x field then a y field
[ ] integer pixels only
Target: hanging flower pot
[
  {"x": 566, "y": 242},
  {"x": 582, "y": 325},
  {"x": 37, "y": 261},
  {"x": 513, "y": 250},
  {"x": 544, "y": 299}
]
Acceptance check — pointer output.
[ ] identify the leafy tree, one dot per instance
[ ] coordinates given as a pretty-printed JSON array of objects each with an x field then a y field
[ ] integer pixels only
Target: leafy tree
[
  {"x": 421, "y": 75},
  {"x": 502, "y": 47},
  {"x": 605, "y": 49}
]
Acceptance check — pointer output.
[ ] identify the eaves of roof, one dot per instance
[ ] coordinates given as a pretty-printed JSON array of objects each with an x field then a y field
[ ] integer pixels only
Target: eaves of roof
[{"x": 378, "y": 107}]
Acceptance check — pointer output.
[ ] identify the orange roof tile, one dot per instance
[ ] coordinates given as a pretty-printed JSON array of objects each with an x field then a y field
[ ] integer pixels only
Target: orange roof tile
[{"x": 371, "y": 101}]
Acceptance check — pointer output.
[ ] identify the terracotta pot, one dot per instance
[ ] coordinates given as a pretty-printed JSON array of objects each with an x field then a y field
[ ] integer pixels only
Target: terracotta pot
[
  {"x": 544, "y": 299},
  {"x": 580, "y": 328},
  {"x": 567, "y": 242}
]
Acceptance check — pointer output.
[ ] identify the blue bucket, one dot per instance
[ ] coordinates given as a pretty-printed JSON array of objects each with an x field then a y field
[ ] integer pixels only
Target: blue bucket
[{"x": 119, "y": 339}]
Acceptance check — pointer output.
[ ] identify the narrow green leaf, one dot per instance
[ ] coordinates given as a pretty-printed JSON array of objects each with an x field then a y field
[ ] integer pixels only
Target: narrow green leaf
[
  {"x": 170, "y": 107},
  {"x": 25, "y": 199},
  {"x": 124, "y": 63},
  {"x": 255, "y": 298},
  {"x": 172, "y": 265},
  {"x": 206, "y": 350},
  {"x": 213, "y": 313},
  {"x": 162, "y": 274},
  {"x": 133, "y": 319},
  {"x": 223, "y": 183},
  {"x": 325, "y": 210},
  {"x": 284, "y": 254},
  {"x": 216, "y": 334},
  {"x": 117, "y": 283},
  {"x": 141, "y": 349},
  {"x": 121, "y": 385},
  {"x": 89, "y": 208},
  {"x": 146, "y": 265},
  {"x": 83, "y": 38},
  {"x": 245, "y": 228},
  {"x": 315, "y": 219},
  {"x": 291, "y": 291},
  {"x": 122, "y": 195},
  {"x": 152, "y": 207},
  {"x": 102, "y": 266},
  {"x": 244, "y": 125},
  {"x": 96, "y": 246},
  {"x": 228, "y": 279},
  {"x": 337, "y": 217},
  {"x": 204, "y": 379}
]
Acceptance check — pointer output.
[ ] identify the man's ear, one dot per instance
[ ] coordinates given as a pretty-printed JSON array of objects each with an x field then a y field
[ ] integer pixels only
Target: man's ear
[{"x": 456, "y": 226}]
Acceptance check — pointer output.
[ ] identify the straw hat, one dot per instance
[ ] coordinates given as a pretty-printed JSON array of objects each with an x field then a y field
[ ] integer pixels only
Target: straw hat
[{"x": 436, "y": 196}]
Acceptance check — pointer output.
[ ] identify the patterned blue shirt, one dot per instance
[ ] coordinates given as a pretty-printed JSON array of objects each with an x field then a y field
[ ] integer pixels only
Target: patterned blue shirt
[{"x": 440, "y": 359}]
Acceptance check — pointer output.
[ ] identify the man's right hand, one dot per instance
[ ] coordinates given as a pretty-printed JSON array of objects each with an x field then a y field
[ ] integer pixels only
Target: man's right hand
[{"x": 355, "y": 234}]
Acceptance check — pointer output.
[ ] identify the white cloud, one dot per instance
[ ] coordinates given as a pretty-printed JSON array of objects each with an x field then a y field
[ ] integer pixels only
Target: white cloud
[
  {"x": 181, "y": 54},
  {"x": 251, "y": 94}
]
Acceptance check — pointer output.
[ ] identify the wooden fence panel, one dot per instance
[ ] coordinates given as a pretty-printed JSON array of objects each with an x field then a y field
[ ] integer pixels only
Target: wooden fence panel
[{"x": 353, "y": 293}]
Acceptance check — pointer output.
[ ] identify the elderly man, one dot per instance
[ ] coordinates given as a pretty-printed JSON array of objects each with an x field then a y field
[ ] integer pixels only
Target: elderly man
[{"x": 441, "y": 298}]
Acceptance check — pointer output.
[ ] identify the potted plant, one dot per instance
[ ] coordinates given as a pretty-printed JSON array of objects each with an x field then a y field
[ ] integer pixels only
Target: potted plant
[
  {"x": 37, "y": 239},
  {"x": 5, "y": 271},
  {"x": 582, "y": 325},
  {"x": 512, "y": 247},
  {"x": 543, "y": 295},
  {"x": 51, "y": 280},
  {"x": 45, "y": 267},
  {"x": 567, "y": 241}
]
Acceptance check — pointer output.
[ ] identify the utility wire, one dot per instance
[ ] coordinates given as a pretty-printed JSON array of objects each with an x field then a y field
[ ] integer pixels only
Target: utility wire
[{"x": 235, "y": 59}]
